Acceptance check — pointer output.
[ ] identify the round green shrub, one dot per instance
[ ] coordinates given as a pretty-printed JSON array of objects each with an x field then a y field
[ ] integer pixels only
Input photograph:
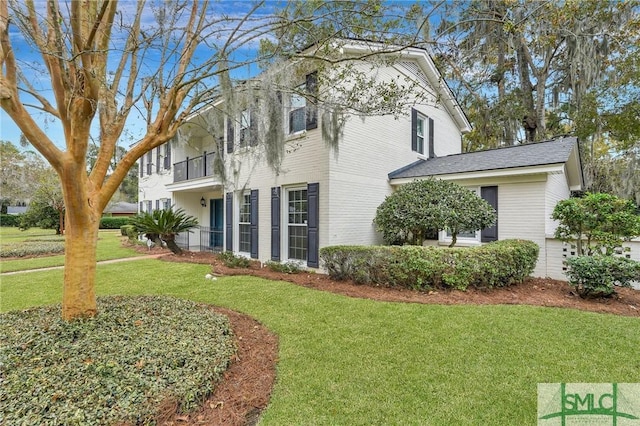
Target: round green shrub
[{"x": 597, "y": 276}]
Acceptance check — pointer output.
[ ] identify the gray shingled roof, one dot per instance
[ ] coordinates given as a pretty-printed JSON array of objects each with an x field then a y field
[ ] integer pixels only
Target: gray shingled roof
[
  {"x": 535, "y": 154},
  {"x": 122, "y": 207}
]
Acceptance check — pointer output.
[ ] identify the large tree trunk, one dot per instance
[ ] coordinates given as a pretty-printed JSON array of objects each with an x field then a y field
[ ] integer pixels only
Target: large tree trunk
[
  {"x": 82, "y": 223},
  {"x": 79, "y": 296}
]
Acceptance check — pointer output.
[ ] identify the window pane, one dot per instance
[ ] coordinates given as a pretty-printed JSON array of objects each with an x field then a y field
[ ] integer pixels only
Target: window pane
[
  {"x": 297, "y": 229},
  {"x": 298, "y": 101},
  {"x": 244, "y": 226},
  {"x": 297, "y": 120},
  {"x": 298, "y": 242}
]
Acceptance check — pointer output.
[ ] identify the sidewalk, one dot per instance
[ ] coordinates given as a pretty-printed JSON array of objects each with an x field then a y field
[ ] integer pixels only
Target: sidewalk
[{"x": 102, "y": 262}]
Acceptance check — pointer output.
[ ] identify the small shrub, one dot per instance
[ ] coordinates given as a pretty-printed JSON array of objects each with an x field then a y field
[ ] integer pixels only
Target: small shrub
[
  {"x": 108, "y": 222},
  {"x": 230, "y": 260},
  {"x": 37, "y": 248},
  {"x": 10, "y": 220},
  {"x": 597, "y": 276},
  {"x": 497, "y": 264},
  {"x": 129, "y": 231},
  {"x": 285, "y": 268}
]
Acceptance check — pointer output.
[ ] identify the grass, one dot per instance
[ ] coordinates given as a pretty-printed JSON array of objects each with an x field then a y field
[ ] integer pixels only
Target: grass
[
  {"x": 353, "y": 361},
  {"x": 109, "y": 247}
]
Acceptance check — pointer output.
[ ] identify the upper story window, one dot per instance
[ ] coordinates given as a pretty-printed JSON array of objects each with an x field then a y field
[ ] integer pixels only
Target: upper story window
[
  {"x": 302, "y": 109},
  {"x": 297, "y": 112},
  {"x": 421, "y": 134},
  {"x": 420, "y": 121}
]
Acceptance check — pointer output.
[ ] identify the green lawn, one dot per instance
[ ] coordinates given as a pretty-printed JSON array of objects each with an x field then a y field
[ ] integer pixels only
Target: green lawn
[
  {"x": 109, "y": 247},
  {"x": 354, "y": 361}
]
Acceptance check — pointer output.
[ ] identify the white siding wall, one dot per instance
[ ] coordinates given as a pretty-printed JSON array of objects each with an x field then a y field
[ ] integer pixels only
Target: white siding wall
[
  {"x": 522, "y": 215},
  {"x": 557, "y": 252},
  {"x": 371, "y": 148},
  {"x": 306, "y": 162},
  {"x": 557, "y": 190},
  {"x": 153, "y": 187}
]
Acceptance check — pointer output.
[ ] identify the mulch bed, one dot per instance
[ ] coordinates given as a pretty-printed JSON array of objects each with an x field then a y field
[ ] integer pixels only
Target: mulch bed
[{"x": 246, "y": 387}]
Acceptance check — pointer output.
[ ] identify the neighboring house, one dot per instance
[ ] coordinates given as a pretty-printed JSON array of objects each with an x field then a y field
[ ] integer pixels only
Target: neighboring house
[
  {"x": 16, "y": 210},
  {"x": 321, "y": 197},
  {"x": 121, "y": 208}
]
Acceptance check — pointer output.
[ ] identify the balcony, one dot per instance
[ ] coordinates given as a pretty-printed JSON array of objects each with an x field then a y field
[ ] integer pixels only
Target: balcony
[{"x": 194, "y": 168}]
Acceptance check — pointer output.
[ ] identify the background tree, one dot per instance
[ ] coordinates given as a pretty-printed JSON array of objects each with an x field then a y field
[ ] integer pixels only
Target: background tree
[
  {"x": 537, "y": 56},
  {"x": 157, "y": 62},
  {"x": 424, "y": 207},
  {"x": 18, "y": 171},
  {"x": 46, "y": 209},
  {"x": 528, "y": 71},
  {"x": 128, "y": 189}
]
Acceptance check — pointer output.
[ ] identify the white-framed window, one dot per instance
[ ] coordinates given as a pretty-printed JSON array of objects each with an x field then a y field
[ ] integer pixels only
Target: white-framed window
[
  {"x": 166, "y": 203},
  {"x": 421, "y": 125},
  {"x": 297, "y": 111},
  {"x": 297, "y": 214},
  {"x": 244, "y": 224},
  {"x": 149, "y": 206}
]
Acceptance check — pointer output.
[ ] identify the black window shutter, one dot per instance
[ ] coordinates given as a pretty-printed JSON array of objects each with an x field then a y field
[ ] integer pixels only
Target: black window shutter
[
  {"x": 158, "y": 159},
  {"x": 275, "y": 223},
  {"x": 167, "y": 151},
  {"x": 229, "y": 221},
  {"x": 311, "y": 110},
  {"x": 254, "y": 223},
  {"x": 142, "y": 166},
  {"x": 313, "y": 206},
  {"x": 230, "y": 135},
  {"x": 490, "y": 195},
  {"x": 414, "y": 129},
  {"x": 253, "y": 125},
  {"x": 432, "y": 153}
]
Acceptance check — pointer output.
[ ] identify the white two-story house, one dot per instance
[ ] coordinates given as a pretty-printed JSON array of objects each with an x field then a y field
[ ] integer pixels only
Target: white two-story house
[{"x": 322, "y": 194}]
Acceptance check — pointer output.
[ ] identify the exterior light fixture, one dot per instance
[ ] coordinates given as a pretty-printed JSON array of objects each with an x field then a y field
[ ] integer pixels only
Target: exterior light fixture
[{"x": 203, "y": 202}]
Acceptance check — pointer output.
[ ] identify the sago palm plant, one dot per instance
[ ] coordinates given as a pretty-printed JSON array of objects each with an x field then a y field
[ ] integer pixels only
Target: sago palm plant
[{"x": 165, "y": 223}]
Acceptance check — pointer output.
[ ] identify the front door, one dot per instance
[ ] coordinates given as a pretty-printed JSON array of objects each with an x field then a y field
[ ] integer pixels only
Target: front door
[{"x": 216, "y": 224}]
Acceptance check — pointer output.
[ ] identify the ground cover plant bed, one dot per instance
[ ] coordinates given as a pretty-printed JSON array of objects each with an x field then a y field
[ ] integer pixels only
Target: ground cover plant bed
[{"x": 126, "y": 365}]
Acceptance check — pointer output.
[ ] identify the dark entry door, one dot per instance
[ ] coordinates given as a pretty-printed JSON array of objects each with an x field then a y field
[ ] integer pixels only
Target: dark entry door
[{"x": 216, "y": 223}]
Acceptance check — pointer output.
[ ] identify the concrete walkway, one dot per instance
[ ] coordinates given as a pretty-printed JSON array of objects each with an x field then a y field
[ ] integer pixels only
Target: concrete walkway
[{"x": 102, "y": 262}]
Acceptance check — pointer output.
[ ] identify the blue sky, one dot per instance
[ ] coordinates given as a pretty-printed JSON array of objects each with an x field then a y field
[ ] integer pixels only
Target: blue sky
[{"x": 33, "y": 68}]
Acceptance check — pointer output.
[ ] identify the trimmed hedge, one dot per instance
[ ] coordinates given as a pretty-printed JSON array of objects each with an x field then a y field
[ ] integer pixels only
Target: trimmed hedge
[
  {"x": 10, "y": 220},
  {"x": 108, "y": 222},
  {"x": 496, "y": 264}
]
